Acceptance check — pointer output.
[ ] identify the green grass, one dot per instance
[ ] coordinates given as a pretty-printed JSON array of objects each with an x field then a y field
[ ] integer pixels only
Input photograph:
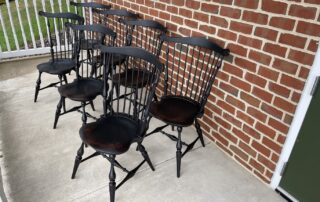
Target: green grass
[
  {"x": 4, "y": 1},
  {"x": 25, "y": 22}
]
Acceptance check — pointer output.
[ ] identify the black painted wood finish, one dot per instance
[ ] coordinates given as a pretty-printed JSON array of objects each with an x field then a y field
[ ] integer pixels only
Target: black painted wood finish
[
  {"x": 62, "y": 59},
  {"x": 146, "y": 34},
  {"x": 191, "y": 65},
  {"x": 114, "y": 19},
  {"x": 85, "y": 9},
  {"x": 125, "y": 121},
  {"x": 87, "y": 85}
]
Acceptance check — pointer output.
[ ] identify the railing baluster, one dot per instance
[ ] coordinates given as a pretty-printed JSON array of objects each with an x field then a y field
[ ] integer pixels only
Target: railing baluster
[
  {"x": 4, "y": 32},
  {"x": 38, "y": 23},
  {"x": 60, "y": 6},
  {"x": 52, "y": 6},
  {"x": 23, "y": 33},
  {"x": 90, "y": 15},
  {"x": 55, "y": 26},
  {"x": 62, "y": 32},
  {"x": 84, "y": 14},
  {"x": 12, "y": 26},
  {"x": 30, "y": 24},
  {"x": 68, "y": 5},
  {"x": 44, "y": 9}
]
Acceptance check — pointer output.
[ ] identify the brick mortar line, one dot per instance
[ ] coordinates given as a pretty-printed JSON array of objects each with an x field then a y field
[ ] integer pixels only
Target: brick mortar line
[
  {"x": 256, "y": 158},
  {"x": 267, "y": 90},
  {"x": 289, "y": 48},
  {"x": 274, "y": 69},
  {"x": 250, "y": 145},
  {"x": 257, "y": 108},
  {"x": 270, "y": 15},
  {"x": 239, "y": 163},
  {"x": 253, "y": 125},
  {"x": 268, "y": 116}
]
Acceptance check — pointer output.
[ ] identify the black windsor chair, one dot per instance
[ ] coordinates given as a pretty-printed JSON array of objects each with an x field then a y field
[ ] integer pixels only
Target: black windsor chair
[
  {"x": 86, "y": 87},
  {"x": 124, "y": 120},
  {"x": 89, "y": 11},
  {"x": 191, "y": 65},
  {"x": 114, "y": 19},
  {"x": 62, "y": 59},
  {"x": 145, "y": 34}
]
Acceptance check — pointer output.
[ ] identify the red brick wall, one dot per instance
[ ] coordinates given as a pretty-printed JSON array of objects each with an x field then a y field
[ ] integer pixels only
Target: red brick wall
[{"x": 253, "y": 101}]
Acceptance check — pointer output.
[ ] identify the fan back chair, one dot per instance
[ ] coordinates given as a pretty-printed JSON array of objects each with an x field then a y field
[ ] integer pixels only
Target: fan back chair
[
  {"x": 62, "y": 59},
  {"x": 125, "y": 121},
  {"x": 86, "y": 87},
  {"x": 114, "y": 19},
  {"x": 191, "y": 65},
  {"x": 145, "y": 34}
]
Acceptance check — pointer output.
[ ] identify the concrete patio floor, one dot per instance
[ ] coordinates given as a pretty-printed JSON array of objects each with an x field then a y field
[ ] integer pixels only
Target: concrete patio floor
[{"x": 36, "y": 161}]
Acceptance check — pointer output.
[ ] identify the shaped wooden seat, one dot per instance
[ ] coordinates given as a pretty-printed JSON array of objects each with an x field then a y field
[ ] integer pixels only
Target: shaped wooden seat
[
  {"x": 57, "y": 67},
  {"x": 82, "y": 90},
  {"x": 175, "y": 110},
  {"x": 111, "y": 134}
]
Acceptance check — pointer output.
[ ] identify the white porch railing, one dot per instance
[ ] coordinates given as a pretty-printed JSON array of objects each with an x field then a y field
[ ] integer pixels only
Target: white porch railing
[{"x": 22, "y": 31}]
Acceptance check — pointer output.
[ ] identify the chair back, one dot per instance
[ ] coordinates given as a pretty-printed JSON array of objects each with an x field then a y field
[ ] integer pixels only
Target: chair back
[
  {"x": 137, "y": 79},
  {"x": 146, "y": 34},
  {"x": 114, "y": 19},
  {"x": 191, "y": 65},
  {"x": 60, "y": 39},
  {"x": 88, "y": 10},
  {"x": 87, "y": 40}
]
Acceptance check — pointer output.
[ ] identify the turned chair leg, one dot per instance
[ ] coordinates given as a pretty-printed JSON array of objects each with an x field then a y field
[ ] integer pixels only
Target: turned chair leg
[
  {"x": 135, "y": 102},
  {"x": 155, "y": 98},
  {"x": 58, "y": 112},
  {"x": 93, "y": 71},
  {"x": 145, "y": 155},
  {"x": 37, "y": 87},
  {"x": 84, "y": 115},
  {"x": 199, "y": 131},
  {"x": 60, "y": 79},
  {"x": 77, "y": 161},
  {"x": 65, "y": 79},
  {"x": 64, "y": 105},
  {"x": 112, "y": 179},
  {"x": 117, "y": 88},
  {"x": 92, "y": 105},
  {"x": 179, "y": 153}
]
